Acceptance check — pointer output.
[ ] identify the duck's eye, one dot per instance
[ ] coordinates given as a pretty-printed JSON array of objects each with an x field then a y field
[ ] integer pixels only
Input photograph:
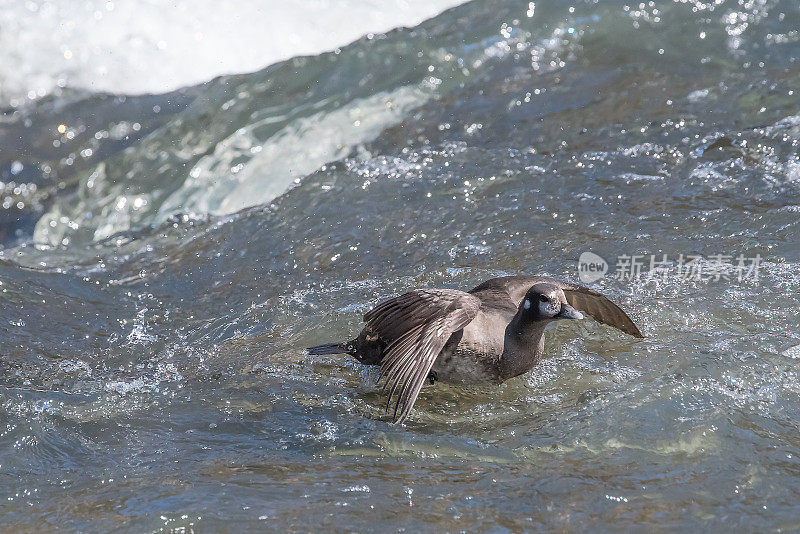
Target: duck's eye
[{"x": 543, "y": 298}]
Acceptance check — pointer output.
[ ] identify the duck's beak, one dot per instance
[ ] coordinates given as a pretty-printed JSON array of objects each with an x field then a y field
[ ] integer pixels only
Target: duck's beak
[{"x": 568, "y": 312}]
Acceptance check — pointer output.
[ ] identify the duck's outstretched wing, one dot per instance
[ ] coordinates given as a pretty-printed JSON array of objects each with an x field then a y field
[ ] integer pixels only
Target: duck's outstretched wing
[
  {"x": 417, "y": 326},
  {"x": 599, "y": 307},
  {"x": 579, "y": 297}
]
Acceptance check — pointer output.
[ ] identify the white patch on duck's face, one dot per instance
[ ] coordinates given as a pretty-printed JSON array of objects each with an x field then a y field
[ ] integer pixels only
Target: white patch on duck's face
[{"x": 527, "y": 304}]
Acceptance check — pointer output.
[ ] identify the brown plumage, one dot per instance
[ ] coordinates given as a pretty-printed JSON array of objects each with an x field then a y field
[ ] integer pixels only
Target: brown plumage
[{"x": 490, "y": 334}]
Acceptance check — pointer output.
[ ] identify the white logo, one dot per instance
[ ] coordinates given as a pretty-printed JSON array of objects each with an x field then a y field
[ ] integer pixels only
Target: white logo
[{"x": 591, "y": 267}]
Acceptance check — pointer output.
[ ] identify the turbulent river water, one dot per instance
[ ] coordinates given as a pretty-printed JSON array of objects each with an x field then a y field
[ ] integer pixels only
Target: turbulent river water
[{"x": 166, "y": 258}]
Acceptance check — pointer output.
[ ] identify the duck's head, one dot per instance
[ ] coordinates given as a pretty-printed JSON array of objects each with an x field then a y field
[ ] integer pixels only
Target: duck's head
[{"x": 546, "y": 302}]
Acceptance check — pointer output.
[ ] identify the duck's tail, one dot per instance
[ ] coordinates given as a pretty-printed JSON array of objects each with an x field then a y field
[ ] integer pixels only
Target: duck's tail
[{"x": 329, "y": 348}]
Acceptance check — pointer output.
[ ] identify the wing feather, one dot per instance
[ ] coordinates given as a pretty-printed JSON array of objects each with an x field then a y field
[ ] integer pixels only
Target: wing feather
[
  {"x": 600, "y": 308},
  {"x": 416, "y": 326},
  {"x": 579, "y": 297}
]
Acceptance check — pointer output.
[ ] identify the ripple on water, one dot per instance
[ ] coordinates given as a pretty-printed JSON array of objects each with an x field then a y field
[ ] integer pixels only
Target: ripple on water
[{"x": 162, "y": 369}]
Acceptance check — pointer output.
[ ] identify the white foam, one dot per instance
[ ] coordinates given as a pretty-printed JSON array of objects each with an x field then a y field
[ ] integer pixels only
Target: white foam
[
  {"x": 792, "y": 352},
  {"x": 154, "y": 46},
  {"x": 216, "y": 185}
]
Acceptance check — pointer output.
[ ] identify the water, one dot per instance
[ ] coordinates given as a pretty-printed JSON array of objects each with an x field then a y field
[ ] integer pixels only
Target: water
[
  {"x": 158, "y": 290},
  {"x": 154, "y": 46}
]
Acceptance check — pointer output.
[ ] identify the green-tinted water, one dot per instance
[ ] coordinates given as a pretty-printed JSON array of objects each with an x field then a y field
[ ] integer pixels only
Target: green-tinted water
[{"x": 152, "y": 374}]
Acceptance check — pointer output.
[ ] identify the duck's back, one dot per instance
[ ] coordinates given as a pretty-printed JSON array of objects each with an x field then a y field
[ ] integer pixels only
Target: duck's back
[
  {"x": 471, "y": 355},
  {"x": 506, "y": 291},
  {"x": 497, "y": 300}
]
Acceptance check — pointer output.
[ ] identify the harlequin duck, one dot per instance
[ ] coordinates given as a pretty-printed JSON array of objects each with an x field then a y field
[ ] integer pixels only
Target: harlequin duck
[{"x": 490, "y": 334}]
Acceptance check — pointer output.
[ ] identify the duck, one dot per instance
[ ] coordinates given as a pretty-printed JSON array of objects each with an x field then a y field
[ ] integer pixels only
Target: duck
[{"x": 488, "y": 334}]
